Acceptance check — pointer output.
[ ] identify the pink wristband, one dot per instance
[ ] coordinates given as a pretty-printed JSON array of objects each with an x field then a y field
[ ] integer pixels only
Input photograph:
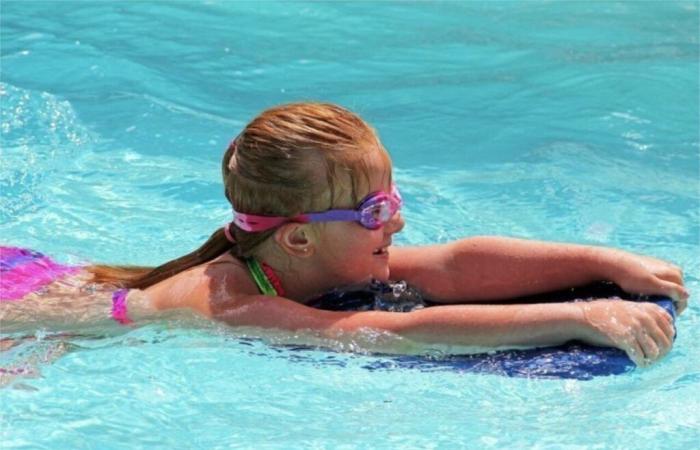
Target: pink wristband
[{"x": 119, "y": 312}]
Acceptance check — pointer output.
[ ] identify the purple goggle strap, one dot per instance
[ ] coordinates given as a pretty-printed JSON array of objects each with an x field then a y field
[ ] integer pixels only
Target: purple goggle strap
[{"x": 252, "y": 222}]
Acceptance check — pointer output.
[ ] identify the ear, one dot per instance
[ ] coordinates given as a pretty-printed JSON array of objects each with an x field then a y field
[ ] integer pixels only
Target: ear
[{"x": 296, "y": 239}]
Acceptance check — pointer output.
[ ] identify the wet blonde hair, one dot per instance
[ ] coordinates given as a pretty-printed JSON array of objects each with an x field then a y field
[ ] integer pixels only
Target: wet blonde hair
[{"x": 290, "y": 159}]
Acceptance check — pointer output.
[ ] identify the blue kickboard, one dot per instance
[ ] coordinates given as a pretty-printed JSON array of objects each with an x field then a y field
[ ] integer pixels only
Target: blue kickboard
[{"x": 569, "y": 361}]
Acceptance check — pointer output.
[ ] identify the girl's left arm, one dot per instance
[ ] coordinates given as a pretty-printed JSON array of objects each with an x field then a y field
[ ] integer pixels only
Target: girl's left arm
[{"x": 489, "y": 268}]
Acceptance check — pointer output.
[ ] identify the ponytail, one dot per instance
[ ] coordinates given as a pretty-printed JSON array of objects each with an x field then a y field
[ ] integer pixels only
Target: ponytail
[
  {"x": 139, "y": 277},
  {"x": 225, "y": 239}
]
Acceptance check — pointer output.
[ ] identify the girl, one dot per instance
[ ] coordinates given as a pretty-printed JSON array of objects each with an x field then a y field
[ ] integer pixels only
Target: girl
[{"x": 315, "y": 208}]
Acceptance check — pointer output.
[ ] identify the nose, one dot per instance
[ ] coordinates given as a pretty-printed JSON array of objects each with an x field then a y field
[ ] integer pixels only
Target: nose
[{"x": 396, "y": 224}]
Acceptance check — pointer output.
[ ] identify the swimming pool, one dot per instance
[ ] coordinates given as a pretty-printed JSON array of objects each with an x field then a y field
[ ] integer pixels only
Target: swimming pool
[{"x": 565, "y": 121}]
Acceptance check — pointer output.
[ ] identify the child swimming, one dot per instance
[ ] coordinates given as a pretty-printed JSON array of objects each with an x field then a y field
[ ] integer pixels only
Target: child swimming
[{"x": 314, "y": 211}]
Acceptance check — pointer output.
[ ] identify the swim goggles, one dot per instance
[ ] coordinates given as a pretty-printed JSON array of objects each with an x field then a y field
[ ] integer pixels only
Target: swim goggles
[{"x": 374, "y": 211}]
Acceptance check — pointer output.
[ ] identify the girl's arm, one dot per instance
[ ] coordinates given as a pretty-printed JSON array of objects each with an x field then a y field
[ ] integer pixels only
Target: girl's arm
[
  {"x": 495, "y": 268},
  {"x": 643, "y": 330}
]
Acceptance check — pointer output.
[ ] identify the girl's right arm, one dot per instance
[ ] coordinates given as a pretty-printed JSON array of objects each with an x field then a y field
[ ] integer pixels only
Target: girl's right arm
[{"x": 643, "y": 330}]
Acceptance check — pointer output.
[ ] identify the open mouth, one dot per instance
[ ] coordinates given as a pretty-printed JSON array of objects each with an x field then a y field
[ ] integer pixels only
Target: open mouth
[{"x": 381, "y": 251}]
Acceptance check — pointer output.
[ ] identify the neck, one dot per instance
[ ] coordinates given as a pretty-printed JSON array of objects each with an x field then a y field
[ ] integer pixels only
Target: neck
[{"x": 300, "y": 279}]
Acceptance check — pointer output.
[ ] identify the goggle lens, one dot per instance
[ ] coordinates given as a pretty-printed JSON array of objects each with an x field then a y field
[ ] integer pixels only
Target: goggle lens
[{"x": 378, "y": 211}]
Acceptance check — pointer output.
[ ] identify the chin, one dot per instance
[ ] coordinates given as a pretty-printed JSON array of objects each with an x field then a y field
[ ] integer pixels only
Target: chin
[
  {"x": 382, "y": 274},
  {"x": 377, "y": 272}
]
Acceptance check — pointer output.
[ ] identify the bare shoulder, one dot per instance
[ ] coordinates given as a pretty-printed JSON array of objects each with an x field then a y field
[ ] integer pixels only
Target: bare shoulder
[{"x": 205, "y": 288}]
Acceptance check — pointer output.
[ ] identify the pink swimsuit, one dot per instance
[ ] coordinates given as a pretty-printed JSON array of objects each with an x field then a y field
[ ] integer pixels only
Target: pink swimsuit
[{"x": 23, "y": 271}]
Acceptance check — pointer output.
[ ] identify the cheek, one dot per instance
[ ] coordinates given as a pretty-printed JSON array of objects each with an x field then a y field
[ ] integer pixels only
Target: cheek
[
  {"x": 337, "y": 240},
  {"x": 349, "y": 241}
]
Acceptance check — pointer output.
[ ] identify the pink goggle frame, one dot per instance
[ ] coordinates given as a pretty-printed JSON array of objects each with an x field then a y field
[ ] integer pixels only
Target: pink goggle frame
[{"x": 374, "y": 211}]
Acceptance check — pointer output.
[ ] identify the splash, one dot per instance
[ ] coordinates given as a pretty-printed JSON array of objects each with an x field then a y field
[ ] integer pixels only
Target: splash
[{"x": 38, "y": 130}]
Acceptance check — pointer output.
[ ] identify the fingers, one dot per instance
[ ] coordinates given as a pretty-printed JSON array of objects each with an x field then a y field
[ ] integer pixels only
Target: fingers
[
  {"x": 636, "y": 354},
  {"x": 667, "y": 278},
  {"x": 649, "y": 347},
  {"x": 655, "y": 337},
  {"x": 656, "y": 343},
  {"x": 643, "y": 330},
  {"x": 672, "y": 273},
  {"x": 671, "y": 280},
  {"x": 665, "y": 323},
  {"x": 645, "y": 350},
  {"x": 677, "y": 292}
]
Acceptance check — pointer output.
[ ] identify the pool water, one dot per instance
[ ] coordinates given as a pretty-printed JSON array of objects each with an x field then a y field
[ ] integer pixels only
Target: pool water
[{"x": 566, "y": 121}]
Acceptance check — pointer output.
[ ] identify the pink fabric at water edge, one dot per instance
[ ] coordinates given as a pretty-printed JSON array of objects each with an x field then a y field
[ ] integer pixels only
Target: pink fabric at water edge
[
  {"x": 119, "y": 308},
  {"x": 23, "y": 271}
]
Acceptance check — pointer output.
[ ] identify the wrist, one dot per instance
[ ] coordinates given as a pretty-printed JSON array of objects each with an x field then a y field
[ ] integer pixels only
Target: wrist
[
  {"x": 588, "y": 327},
  {"x": 599, "y": 262}
]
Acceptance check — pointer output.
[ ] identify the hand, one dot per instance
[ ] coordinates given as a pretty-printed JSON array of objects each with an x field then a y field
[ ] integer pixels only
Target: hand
[
  {"x": 639, "y": 274},
  {"x": 643, "y": 330}
]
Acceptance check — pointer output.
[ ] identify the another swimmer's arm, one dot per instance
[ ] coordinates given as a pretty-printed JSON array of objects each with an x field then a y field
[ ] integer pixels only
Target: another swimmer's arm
[
  {"x": 643, "y": 330},
  {"x": 495, "y": 268}
]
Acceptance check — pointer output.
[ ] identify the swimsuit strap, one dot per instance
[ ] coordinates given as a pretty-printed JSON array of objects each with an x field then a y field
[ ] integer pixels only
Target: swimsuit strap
[{"x": 265, "y": 278}]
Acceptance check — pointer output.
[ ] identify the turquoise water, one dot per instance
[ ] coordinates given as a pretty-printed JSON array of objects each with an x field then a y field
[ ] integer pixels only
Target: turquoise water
[{"x": 569, "y": 121}]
